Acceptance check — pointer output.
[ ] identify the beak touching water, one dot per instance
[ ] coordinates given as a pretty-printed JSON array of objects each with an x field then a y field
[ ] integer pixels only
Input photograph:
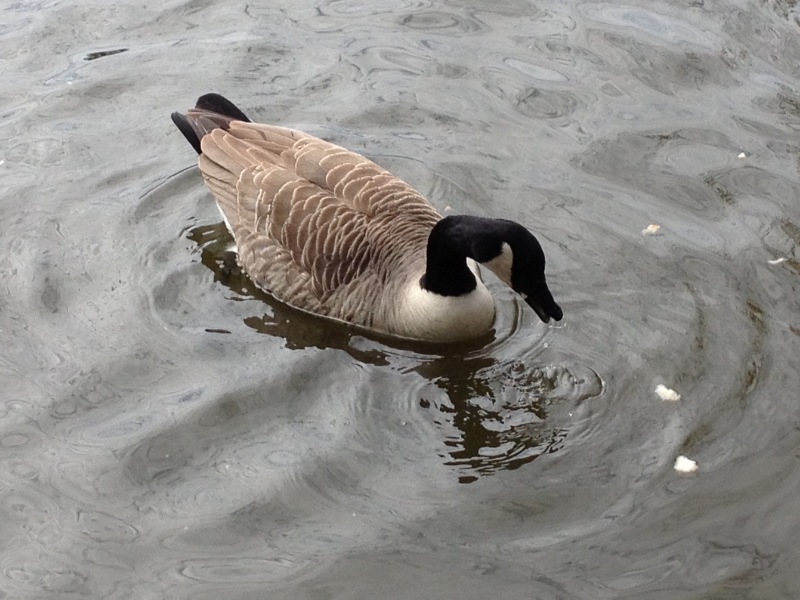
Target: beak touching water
[{"x": 541, "y": 301}]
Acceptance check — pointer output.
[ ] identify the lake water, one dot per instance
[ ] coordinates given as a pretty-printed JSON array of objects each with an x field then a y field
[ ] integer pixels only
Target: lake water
[{"x": 168, "y": 432}]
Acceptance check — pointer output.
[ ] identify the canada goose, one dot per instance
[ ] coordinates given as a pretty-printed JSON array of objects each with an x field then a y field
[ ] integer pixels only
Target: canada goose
[{"x": 330, "y": 232}]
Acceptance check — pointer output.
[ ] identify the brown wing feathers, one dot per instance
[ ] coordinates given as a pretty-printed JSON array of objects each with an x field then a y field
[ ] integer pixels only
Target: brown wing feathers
[{"x": 309, "y": 217}]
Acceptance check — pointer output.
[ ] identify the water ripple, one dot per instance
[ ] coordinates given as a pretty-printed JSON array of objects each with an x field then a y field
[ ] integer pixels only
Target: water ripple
[
  {"x": 239, "y": 570},
  {"x": 535, "y": 71},
  {"x": 442, "y": 23},
  {"x": 353, "y": 8},
  {"x": 106, "y": 528},
  {"x": 651, "y": 24},
  {"x": 529, "y": 101}
]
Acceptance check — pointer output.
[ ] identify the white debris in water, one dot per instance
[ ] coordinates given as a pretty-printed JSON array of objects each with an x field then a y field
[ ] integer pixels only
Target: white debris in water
[
  {"x": 667, "y": 394},
  {"x": 742, "y": 155},
  {"x": 651, "y": 229},
  {"x": 778, "y": 261},
  {"x": 446, "y": 208},
  {"x": 685, "y": 465}
]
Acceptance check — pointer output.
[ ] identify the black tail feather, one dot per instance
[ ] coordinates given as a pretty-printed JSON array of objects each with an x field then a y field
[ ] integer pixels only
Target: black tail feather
[
  {"x": 212, "y": 112},
  {"x": 186, "y": 129},
  {"x": 220, "y": 105}
]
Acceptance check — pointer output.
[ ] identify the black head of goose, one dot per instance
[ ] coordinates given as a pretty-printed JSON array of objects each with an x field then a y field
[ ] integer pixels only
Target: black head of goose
[{"x": 328, "y": 231}]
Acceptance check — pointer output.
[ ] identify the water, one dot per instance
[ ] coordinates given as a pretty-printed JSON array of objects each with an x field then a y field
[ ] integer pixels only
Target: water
[{"x": 166, "y": 431}]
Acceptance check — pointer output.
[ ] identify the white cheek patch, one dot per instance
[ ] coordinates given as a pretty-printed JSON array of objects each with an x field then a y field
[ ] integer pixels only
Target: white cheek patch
[{"x": 501, "y": 264}]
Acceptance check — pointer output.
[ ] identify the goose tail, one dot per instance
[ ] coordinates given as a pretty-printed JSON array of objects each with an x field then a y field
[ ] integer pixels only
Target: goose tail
[{"x": 211, "y": 112}]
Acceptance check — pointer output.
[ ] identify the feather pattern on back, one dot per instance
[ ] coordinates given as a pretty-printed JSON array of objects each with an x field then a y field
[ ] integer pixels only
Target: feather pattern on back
[{"x": 319, "y": 227}]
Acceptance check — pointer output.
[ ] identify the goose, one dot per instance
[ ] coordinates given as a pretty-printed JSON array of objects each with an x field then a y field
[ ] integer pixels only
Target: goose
[{"x": 328, "y": 231}]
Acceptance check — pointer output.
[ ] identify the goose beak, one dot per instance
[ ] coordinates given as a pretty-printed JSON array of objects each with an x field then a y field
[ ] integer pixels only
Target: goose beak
[{"x": 543, "y": 304}]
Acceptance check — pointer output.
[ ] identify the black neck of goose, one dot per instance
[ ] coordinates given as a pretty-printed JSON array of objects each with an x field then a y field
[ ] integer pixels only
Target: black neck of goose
[{"x": 450, "y": 243}]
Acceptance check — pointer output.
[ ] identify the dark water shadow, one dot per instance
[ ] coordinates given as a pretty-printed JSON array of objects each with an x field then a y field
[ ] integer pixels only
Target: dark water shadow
[{"x": 502, "y": 425}]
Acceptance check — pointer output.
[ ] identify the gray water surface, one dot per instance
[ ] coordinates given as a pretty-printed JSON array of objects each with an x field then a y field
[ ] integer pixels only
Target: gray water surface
[{"x": 166, "y": 431}]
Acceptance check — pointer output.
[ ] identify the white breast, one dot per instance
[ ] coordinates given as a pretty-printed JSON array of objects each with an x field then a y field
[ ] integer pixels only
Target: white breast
[{"x": 422, "y": 314}]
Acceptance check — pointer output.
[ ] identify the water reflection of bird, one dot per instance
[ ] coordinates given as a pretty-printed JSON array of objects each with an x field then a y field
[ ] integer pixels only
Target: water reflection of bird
[{"x": 330, "y": 232}]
